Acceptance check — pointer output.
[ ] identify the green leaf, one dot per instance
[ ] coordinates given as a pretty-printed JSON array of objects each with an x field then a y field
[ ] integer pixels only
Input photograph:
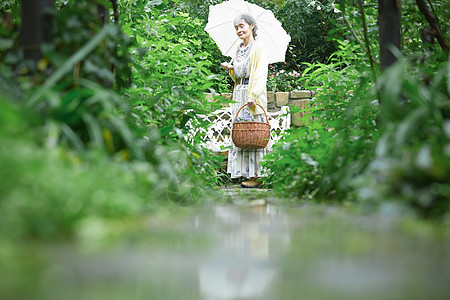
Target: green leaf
[
  {"x": 424, "y": 160},
  {"x": 448, "y": 76},
  {"x": 153, "y": 3},
  {"x": 94, "y": 129},
  {"x": 72, "y": 136},
  {"x": 446, "y": 127},
  {"x": 70, "y": 63},
  {"x": 407, "y": 126},
  {"x": 165, "y": 130},
  {"x": 6, "y": 44}
]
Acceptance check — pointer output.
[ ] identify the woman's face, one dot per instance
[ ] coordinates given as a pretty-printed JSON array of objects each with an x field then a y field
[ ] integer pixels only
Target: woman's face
[{"x": 243, "y": 30}]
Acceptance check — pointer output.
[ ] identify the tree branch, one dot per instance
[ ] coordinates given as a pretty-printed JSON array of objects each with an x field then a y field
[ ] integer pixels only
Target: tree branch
[
  {"x": 355, "y": 35},
  {"x": 366, "y": 38},
  {"x": 116, "y": 11},
  {"x": 432, "y": 20}
]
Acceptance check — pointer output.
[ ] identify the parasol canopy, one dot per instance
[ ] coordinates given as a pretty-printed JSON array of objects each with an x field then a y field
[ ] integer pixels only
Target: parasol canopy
[{"x": 270, "y": 31}]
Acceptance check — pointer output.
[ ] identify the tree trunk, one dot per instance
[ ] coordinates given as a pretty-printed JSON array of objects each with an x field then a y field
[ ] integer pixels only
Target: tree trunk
[
  {"x": 103, "y": 14},
  {"x": 116, "y": 11},
  {"x": 389, "y": 30},
  {"x": 35, "y": 28}
]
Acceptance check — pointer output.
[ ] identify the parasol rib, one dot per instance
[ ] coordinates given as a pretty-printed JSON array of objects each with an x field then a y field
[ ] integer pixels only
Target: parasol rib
[
  {"x": 233, "y": 45},
  {"x": 273, "y": 42}
]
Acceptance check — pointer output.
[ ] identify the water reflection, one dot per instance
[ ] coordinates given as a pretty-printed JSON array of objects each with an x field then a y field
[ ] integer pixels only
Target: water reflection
[
  {"x": 239, "y": 265},
  {"x": 238, "y": 252}
]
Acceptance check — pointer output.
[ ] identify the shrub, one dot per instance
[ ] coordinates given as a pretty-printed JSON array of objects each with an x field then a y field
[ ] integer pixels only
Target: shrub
[
  {"x": 282, "y": 80},
  {"x": 90, "y": 142},
  {"x": 412, "y": 157},
  {"x": 336, "y": 142}
]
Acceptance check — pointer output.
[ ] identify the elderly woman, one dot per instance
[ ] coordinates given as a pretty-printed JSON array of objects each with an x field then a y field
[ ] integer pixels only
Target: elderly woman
[{"x": 249, "y": 72}]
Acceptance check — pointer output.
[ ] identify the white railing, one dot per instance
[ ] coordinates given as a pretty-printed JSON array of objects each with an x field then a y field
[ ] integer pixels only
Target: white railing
[{"x": 217, "y": 137}]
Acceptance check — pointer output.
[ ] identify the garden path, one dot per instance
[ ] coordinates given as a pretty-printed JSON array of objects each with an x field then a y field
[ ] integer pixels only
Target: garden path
[{"x": 251, "y": 246}]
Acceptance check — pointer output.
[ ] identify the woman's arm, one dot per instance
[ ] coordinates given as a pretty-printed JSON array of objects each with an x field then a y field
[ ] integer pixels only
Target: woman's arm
[{"x": 229, "y": 67}]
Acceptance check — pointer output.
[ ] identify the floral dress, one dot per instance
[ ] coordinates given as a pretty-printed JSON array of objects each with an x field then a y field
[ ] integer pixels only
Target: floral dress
[{"x": 244, "y": 162}]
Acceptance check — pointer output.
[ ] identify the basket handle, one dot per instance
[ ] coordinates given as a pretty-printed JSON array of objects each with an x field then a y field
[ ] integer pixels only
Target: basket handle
[{"x": 267, "y": 119}]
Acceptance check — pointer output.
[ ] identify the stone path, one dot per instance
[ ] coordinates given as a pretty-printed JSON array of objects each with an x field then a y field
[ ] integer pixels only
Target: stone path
[{"x": 250, "y": 197}]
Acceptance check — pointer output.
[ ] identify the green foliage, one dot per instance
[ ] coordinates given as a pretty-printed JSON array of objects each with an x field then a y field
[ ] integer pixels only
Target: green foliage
[
  {"x": 173, "y": 73},
  {"x": 9, "y": 10},
  {"x": 93, "y": 144},
  {"x": 199, "y": 8},
  {"x": 190, "y": 31},
  {"x": 308, "y": 23},
  {"x": 66, "y": 85},
  {"x": 46, "y": 192},
  {"x": 349, "y": 24},
  {"x": 412, "y": 157},
  {"x": 318, "y": 159},
  {"x": 372, "y": 143},
  {"x": 414, "y": 35},
  {"x": 73, "y": 26}
]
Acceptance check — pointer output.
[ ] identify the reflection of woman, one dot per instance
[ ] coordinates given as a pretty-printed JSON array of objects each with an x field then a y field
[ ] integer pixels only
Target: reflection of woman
[{"x": 249, "y": 72}]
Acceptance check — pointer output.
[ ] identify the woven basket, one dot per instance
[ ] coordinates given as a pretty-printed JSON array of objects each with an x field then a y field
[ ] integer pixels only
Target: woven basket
[{"x": 251, "y": 135}]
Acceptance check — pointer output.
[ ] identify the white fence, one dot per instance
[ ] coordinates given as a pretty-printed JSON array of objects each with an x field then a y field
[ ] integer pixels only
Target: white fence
[{"x": 217, "y": 137}]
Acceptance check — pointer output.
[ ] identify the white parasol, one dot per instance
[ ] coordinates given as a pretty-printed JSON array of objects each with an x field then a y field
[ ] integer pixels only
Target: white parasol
[{"x": 270, "y": 32}]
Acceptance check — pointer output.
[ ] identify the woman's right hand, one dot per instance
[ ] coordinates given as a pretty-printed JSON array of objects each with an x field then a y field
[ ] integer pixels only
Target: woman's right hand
[{"x": 227, "y": 66}]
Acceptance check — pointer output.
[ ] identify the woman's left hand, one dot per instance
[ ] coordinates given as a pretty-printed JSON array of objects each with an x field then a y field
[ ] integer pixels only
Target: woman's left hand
[
  {"x": 227, "y": 66},
  {"x": 251, "y": 102}
]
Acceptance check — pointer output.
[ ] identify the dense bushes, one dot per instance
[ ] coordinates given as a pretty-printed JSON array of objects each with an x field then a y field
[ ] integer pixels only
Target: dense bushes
[
  {"x": 174, "y": 62},
  {"x": 46, "y": 192},
  {"x": 308, "y": 23},
  {"x": 103, "y": 119},
  {"x": 371, "y": 138},
  {"x": 411, "y": 161},
  {"x": 318, "y": 159}
]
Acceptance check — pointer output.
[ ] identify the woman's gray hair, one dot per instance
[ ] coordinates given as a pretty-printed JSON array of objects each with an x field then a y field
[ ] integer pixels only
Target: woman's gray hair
[{"x": 249, "y": 20}]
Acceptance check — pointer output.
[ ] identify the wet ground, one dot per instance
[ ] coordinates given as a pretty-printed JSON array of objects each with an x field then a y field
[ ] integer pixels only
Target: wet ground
[{"x": 251, "y": 247}]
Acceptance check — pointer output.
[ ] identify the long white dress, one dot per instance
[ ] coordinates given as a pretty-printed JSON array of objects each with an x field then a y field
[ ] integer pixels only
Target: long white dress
[{"x": 244, "y": 162}]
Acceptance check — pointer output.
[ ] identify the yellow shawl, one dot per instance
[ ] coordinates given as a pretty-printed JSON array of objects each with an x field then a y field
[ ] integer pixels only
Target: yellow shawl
[{"x": 257, "y": 89}]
